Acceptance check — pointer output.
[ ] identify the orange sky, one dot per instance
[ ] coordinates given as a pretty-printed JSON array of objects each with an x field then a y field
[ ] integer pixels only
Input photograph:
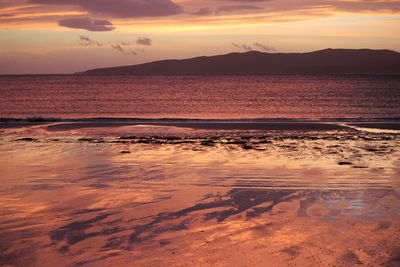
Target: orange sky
[{"x": 55, "y": 36}]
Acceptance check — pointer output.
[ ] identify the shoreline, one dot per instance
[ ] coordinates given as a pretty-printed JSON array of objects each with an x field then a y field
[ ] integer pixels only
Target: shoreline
[
  {"x": 211, "y": 125},
  {"x": 378, "y": 125},
  {"x": 283, "y": 126},
  {"x": 12, "y": 125}
]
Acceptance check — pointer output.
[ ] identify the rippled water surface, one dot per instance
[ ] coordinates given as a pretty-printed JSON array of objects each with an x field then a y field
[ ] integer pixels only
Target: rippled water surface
[
  {"x": 104, "y": 197},
  {"x": 217, "y": 97}
]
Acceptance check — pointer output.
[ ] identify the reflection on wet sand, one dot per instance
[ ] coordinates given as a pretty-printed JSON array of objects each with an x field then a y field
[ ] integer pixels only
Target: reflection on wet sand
[{"x": 229, "y": 199}]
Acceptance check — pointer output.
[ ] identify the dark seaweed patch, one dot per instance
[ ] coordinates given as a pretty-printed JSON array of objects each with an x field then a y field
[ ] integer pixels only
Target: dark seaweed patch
[
  {"x": 75, "y": 232},
  {"x": 27, "y": 139}
]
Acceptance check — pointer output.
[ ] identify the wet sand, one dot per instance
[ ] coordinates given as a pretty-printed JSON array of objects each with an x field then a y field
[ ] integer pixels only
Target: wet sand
[
  {"x": 6, "y": 125},
  {"x": 139, "y": 195},
  {"x": 283, "y": 126},
  {"x": 379, "y": 125}
]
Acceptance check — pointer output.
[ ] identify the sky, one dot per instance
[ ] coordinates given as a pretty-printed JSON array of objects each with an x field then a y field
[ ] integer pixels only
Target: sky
[{"x": 67, "y": 36}]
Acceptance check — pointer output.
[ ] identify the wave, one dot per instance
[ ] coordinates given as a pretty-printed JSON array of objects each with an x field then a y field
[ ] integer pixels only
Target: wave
[{"x": 255, "y": 120}]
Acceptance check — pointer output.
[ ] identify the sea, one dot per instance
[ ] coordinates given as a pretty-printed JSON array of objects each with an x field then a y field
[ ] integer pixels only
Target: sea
[{"x": 260, "y": 97}]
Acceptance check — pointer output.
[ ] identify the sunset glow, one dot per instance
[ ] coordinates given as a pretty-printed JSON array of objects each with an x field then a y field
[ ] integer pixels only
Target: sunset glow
[
  {"x": 199, "y": 133},
  {"x": 35, "y": 33}
]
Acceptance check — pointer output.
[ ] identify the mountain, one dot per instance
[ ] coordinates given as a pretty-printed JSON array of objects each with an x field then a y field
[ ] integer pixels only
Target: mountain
[{"x": 327, "y": 61}]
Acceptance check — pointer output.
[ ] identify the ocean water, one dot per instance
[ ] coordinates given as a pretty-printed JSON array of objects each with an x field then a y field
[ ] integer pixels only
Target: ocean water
[{"x": 201, "y": 97}]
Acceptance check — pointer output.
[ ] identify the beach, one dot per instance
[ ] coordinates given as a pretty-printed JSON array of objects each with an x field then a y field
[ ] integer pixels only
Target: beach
[
  {"x": 205, "y": 194},
  {"x": 175, "y": 133}
]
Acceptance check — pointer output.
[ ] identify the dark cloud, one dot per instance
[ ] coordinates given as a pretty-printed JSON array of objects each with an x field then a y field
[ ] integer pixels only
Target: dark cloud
[
  {"x": 11, "y": 3},
  {"x": 255, "y": 46},
  {"x": 118, "y": 48},
  {"x": 143, "y": 41},
  {"x": 347, "y": 6},
  {"x": 203, "y": 12},
  {"x": 247, "y": 1},
  {"x": 126, "y": 51},
  {"x": 367, "y": 5},
  {"x": 237, "y": 8},
  {"x": 87, "y": 41},
  {"x": 121, "y": 8},
  {"x": 87, "y": 24},
  {"x": 243, "y": 47},
  {"x": 6, "y": 15},
  {"x": 272, "y": 11}
]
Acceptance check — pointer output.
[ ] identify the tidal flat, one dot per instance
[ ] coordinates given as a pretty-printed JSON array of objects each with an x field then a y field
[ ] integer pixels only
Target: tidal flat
[{"x": 179, "y": 195}]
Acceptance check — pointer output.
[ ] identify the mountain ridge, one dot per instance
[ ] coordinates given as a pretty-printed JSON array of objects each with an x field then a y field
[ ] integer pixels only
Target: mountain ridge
[{"x": 326, "y": 61}]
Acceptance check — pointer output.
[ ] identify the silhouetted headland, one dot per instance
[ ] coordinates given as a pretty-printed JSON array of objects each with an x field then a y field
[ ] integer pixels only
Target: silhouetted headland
[{"x": 327, "y": 61}]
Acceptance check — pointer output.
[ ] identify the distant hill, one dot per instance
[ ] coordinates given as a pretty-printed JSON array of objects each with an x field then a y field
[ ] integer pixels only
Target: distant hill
[{"x": 327, "y": 61}]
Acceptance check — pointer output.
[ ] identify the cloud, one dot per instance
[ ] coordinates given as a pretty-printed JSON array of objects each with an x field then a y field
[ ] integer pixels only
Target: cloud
[
  {"x": 203, "y": 12},
  {"x": 86, "y": 41},
  {"x": 265, "y": 48},
  {"x": 124, "y": 42},
  {"x": 11, "y": 3},
  {"x": 237, "y": 8},
  {"x": 247, "y": 47},
  {"x": 237, "y": 45},
  {"x": 87, "y": 24},
  {"x": 121, "y": 8},
  {"x": 255, "y": 46},
  {"x": 219, "y": 12},
  {"x": 143, "y": 41},
  {"x": 6, "y": 15},
  {"x": 118, "y": 48},
  {"x": 243, "y": 47},
  {"x": 247, "y": 1},
  {"x": 352, "y": 6},
  {"x": 368, "y": 5}
]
